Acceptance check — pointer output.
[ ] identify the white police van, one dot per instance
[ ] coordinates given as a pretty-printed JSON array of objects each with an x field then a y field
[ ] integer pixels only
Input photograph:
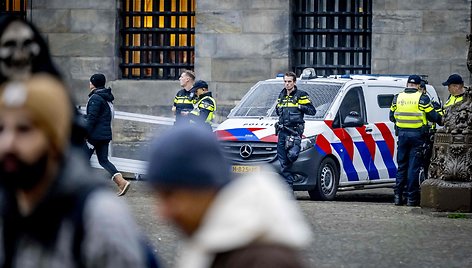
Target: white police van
[{"x": 349, "y": 144}]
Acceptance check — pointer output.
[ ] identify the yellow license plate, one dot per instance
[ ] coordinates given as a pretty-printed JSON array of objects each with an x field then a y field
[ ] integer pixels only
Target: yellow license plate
[{"x": 245, "y": 169}]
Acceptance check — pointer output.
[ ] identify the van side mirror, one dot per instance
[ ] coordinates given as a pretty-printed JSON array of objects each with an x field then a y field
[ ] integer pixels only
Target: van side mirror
[{"x": 353, "y": 119}]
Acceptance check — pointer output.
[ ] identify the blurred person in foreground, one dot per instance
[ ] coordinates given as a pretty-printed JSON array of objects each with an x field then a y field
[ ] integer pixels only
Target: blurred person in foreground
[
  {"x": 53, "y": 211},
  {"x": 229, "y": 222},
  {"x": 23, "y": 53}
]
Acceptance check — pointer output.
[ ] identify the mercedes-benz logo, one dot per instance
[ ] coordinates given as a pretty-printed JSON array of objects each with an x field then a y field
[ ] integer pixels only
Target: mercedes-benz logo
[{"x": 245, "y": 151}]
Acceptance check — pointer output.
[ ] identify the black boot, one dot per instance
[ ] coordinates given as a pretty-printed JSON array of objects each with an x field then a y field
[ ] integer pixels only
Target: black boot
[{"x": 398, "y": 200}]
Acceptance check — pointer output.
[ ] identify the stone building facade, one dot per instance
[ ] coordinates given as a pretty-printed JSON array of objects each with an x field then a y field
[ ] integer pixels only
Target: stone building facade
[{"x": 240, "y": 42}]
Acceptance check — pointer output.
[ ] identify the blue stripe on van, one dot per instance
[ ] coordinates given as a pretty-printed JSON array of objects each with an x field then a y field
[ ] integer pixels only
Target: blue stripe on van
[
  {"x": 243, "y": 134},
  {"x": 346, "y": 160},
  {"x": 387, "y": 158},
  {"x": 368, "y": 161},
  {"x": 320, "y": 151}
]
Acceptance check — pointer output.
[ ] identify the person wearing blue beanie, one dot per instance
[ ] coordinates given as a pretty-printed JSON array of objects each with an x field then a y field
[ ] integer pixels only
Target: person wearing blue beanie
[
  {"x": 227, "y": 221},
  {"x": 189, "y": 157}
]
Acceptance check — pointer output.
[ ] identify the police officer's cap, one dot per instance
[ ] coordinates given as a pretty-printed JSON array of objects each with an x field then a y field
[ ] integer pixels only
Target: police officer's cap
[
  {"x": 414, "y": 79},
  {"x": 199, "y": 84},
  {"x": 453, "y": 79}
]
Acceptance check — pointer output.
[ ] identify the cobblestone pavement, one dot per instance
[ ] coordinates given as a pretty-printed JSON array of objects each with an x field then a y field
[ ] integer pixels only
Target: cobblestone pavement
[{"x": 359, "y": 229}]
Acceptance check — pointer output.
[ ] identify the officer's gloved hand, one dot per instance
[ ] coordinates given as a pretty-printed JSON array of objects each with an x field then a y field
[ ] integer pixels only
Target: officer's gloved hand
[{"x": 436, "y": 105}]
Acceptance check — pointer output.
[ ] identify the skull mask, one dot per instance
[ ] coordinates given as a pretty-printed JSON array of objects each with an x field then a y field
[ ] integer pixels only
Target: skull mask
[{"x": 17, "y": 50}]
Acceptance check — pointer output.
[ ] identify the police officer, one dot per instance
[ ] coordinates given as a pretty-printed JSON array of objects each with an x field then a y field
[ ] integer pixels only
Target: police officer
[
  {"x": 184, "y": 99},
  {"x": 410, "y": 111},
  {"x": 455, "y": 86},
  {"x": 204, "y": 110},
  {"x": 292, "y": 105}
]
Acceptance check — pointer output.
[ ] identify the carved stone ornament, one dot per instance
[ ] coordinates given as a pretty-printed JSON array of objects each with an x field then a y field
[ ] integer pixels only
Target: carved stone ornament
[{"x": 452, "y": 149}]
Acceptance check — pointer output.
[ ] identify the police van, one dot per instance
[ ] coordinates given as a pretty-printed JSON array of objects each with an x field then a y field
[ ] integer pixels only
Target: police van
[{"x": 349, "y": 144}]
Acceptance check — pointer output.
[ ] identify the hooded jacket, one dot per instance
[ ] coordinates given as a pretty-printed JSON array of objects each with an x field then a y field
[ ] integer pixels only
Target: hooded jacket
[
  {"x": 99, "y": 115},
  {"x": 250, "y": 214}
]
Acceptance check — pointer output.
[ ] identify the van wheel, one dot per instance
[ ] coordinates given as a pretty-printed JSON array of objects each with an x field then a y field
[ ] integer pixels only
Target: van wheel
[{"x": 326, "y": 182}]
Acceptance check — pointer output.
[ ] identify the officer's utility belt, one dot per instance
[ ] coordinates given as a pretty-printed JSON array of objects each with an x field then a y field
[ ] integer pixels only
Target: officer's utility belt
[{"x": 424, "y": 129}]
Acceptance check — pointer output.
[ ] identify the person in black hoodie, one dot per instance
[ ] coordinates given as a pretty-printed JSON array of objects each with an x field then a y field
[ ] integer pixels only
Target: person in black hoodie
[{"x": 98, "y": 121}]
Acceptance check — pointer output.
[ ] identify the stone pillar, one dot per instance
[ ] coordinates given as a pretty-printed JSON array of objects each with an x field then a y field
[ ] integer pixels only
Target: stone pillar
[{"x": 450, "y": 185}]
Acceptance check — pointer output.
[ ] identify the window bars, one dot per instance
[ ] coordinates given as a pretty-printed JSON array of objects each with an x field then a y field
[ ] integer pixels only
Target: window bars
[
  {"x": 14, "y": 7},
  {"x": 332, "y": 36},
  {"x": 157, "y": 38}
]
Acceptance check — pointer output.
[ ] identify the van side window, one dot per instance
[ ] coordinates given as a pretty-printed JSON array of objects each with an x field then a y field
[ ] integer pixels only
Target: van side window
[
  {"x": 385, "y": 100},
  {"x": 352, "y": 104}
]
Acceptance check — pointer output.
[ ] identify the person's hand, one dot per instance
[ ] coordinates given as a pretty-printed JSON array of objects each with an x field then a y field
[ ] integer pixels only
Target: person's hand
[
  {"x": 436, "y": 105},
  {"x": 184, "y": 113}
]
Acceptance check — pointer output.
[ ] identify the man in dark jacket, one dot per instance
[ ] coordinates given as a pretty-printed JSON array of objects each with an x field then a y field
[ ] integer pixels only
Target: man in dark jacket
[
  {"x": 247, "y": 222},
  {"x": 98, "y": 119},
  {"x": 185, "y": 98},
  {"x": 292, "y": 105}
]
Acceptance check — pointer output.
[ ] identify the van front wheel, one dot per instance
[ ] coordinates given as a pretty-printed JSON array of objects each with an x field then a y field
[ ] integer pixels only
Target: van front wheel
[{"x": 326, "y": 182}]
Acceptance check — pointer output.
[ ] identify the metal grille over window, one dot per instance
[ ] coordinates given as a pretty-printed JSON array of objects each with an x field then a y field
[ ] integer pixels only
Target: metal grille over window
[
  {"x": 332, "y": 36},
  {"x": 14, "y": 7},
  {"x": 157, "y": 38}
]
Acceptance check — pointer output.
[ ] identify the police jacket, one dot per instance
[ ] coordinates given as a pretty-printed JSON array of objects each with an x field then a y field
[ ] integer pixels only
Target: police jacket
[
  {"x": 204, "y": 110},
  {"x": 183, "y": 101},
  {"x": 99, "y": 114},
  {"x": 292, "y": 108},
  {"x": 411, "y": 110},
  {"x": 453, "y": 100}
]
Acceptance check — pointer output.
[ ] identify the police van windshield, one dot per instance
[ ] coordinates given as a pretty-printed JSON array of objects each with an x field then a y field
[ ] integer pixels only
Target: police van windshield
[{"x": 261, "y": 101}]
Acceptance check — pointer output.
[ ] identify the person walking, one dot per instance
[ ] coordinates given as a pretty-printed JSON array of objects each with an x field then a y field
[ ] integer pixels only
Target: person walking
[
  {"x": 410, "y": 111},
  {"x": 54, "y": 212},
  {"x": 455, "y": 86},
  {"x": 204, "y": 111},
  {"x": 185, "y": 98},
  {"x": 99, "y": 134},
  {"x": 292, "y": 105},
  {"x": 242, "y": 222}
]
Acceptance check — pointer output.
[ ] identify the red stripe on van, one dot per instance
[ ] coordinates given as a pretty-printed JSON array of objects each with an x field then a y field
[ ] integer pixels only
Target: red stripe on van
[
  {"x": 368, "y": 140},
  {"x": 344, "y": 137},
  {"x": 271, "y": 138},
  {"x": 387, "y": 136},
  {"x": 225, "y": 135},
  {"x": 323, "y": 144}
]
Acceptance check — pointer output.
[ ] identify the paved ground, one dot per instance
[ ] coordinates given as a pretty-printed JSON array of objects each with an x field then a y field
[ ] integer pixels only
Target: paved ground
[{"x": 360, "y": 229}]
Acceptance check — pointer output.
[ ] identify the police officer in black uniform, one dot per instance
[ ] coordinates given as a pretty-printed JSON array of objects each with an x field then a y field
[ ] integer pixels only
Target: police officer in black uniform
[
  {"x": 410, "y": 111},
  {"x": 185, "y": 98},
  {"x": 204, "y": 111},
  {"x": 291, "y": 107}
]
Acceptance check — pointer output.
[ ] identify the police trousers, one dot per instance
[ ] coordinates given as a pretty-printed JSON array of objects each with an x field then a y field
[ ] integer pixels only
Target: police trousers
[
  {"x": 286, "y": 155},
  {"x": 410, "y": 162}
]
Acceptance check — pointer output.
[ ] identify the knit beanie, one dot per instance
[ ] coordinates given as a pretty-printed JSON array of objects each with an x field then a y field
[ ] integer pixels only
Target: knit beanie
[
  {"x": 98, "y": 80},
  {"x": 48, "y": 102},
  {"x": 187, "y": 156}
]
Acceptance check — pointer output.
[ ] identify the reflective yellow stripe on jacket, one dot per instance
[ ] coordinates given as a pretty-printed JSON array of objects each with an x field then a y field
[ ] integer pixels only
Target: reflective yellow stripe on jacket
[
  {"x": 183, "y": 100},
  {"x": 408, "y": 113},
  {"x": 201, "y": 105},
  {"x": 453, "y": 100}
]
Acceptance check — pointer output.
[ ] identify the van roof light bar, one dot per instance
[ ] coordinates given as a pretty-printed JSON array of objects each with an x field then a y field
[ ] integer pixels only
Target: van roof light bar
[{"x": 308, "y": 73}]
